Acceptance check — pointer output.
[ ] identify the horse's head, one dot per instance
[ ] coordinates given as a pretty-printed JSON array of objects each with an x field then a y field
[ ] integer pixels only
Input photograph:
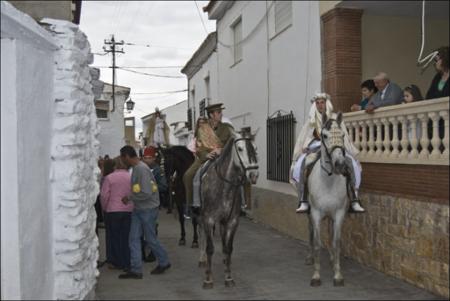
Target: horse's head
[
  {"x": 332, "y": 137},
  {"x": 245, "y": 156}
]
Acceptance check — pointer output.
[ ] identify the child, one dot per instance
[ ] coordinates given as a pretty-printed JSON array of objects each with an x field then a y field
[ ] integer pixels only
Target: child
[{"x": 412, "y": 94}]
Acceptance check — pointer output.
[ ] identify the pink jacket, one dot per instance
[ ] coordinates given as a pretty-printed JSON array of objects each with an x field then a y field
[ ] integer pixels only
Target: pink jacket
[{"x": 115, "y": 186}]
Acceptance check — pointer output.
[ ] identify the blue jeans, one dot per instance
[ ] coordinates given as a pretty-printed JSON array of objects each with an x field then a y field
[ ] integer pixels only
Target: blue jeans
[{"x": 145, "y": 219}]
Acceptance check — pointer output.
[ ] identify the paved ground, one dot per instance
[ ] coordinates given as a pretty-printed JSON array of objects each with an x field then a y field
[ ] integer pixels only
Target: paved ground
[{"x": 265, "y": 265}]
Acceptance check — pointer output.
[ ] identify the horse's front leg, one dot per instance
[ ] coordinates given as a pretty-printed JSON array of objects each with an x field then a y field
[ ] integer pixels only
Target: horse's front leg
[
  {"x": 180, "y": 209},
  {"x": 195, "y": 226},
  {"x": 208, "y": 282},
  {"x": 316, "y": 218},
  {"x": 309, "y": 258},
  {"x": 202, "y": 245},
  {"x": 227, "y": 248},
  {"x": 338, "y": 279}
]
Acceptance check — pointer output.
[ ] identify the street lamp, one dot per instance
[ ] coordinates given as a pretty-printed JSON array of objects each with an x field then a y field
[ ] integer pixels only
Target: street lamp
[{"x": 130, "y": 105}]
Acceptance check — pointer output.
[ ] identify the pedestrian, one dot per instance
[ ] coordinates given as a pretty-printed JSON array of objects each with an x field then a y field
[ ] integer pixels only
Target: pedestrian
[{"x": 145, "y": 197}]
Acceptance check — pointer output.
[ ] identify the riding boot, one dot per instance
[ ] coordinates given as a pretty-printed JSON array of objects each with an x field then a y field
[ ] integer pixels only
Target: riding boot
[
  {"x": 355, "y": 205},
  {"x": 303, "y": 205}
]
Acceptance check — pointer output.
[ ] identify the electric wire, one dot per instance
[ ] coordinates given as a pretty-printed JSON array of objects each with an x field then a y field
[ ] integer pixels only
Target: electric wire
[{"x": 201, "y": 19}]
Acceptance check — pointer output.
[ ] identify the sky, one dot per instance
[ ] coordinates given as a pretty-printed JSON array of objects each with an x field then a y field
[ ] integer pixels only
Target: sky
[{"x": 166, "y": 34}]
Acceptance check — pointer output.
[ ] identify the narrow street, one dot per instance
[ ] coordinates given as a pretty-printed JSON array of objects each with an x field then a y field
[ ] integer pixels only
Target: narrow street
[{"x": 266, "y": 265}]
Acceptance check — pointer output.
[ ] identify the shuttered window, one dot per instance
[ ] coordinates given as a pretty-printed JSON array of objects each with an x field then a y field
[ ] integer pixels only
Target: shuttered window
[
  {"x": 283, "y": 15},
  {"x": 202, "y": 106},
  {"x": 189, "y": 119},
  {"x": 237, "y": 38}
]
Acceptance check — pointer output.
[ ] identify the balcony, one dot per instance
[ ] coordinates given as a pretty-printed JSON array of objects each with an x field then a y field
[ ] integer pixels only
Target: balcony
[{"x": 404, "y": 133}]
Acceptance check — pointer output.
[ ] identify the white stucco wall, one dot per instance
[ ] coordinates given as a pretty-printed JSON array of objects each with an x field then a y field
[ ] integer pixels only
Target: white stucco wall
[
  {"x": 74, "y": 172},
  {"x": 26, "y": 130},
  {"x": 112, "y": 129},
  {"x": 174, "y": 113},
  {"x": 48, "y": 161},
  {"x": 278, "y": 73}
]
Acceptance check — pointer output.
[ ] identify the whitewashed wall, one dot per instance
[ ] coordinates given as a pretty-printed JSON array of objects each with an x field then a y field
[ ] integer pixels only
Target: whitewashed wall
[
  {"x": 48, "y": 161},
  {"x": 74, "y": 172},
  {"x": 276, "y": 73},
  {"x": 27, "y": 105},
  {"x": 174, "y": 113}
]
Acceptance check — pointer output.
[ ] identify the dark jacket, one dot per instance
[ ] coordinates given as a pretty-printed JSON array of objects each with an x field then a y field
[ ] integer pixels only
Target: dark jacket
[
  {"x": 433, "y": 91},
  {"x": 159, "y": 177}
]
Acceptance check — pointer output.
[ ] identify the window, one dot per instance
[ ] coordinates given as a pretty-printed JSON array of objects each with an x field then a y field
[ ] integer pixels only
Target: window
[
  {"x": 283, "y": 15},
  {"x": 237, "y": 38},
  {"x": 280, "y": 145},
  {"x": 202, "y": 107},
  {"x": 129, "y": 122},
  {"x": 102, "y": 109},
  {"x": 189, "y": 119},
  {"x": 101, "y": 114}
]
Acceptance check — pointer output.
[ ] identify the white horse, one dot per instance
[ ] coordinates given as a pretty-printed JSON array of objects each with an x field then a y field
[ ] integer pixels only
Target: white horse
[{"x": 328, "y": 196}]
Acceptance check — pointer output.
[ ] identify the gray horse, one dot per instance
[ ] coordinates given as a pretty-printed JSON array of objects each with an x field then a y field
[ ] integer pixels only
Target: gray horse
[
  {"x": 221, "y": 193},
  {"x": 328, "y": 196}
]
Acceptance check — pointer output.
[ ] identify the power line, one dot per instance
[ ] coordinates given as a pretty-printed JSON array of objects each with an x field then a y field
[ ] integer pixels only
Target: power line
[
  {"x": 156, "y": 46},
  {"x": 163, "y": 92},
  {"x": 143, "y": 67},
  {"x": 199, "y": 14},
  {"x": 150, "y": 74}
]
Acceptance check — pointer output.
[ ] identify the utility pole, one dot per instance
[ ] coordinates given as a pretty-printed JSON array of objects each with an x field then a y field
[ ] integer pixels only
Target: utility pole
[{"x": 110, "y": 46}]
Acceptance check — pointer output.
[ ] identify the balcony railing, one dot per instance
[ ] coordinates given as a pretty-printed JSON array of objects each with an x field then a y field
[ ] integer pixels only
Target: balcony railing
[{"x": 415, "y": 133}]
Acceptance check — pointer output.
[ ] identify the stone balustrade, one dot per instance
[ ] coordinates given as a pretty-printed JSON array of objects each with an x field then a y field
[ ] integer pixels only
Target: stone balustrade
[{"x": 415, "y": 133}]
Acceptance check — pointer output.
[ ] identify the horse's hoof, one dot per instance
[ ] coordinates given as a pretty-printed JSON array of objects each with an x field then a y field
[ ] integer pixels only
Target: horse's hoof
[
  {"x": 202, "y": 264},
  {"x": 229, "y": 283},
  {"x": 194, "y": 245},
  {"x": 208, "y": 284},
  {"x": 182, "y": 242},
  {"x": 338, "y": 282},
  {"x": 316, "y": 282},
  {"x": 309, "y": 261}
]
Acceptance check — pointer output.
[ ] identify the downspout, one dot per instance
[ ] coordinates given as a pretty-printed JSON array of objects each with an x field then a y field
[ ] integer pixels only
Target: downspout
[{"x": 268, "y": 60}]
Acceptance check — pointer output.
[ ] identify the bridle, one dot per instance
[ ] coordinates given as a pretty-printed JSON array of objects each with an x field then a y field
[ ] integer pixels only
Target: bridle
[
  {"x": 336, "y": 143},
  {"x": 242, "y": 177}
]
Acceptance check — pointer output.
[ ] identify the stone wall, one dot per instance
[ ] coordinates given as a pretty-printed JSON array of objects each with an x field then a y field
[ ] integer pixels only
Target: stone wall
[
  {"x": 74, "y": 171},
  {"x": 404, "y": 238}
]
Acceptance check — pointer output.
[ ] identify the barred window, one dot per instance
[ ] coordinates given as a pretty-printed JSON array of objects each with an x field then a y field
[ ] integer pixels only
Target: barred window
[
  {"x": 237, "y": 40},
  {"x": 280, "y": 145},
  {"x": 101, "y": 114},
  {"x": 189, "y": 119},
  {"x": 202, "y": 106}
]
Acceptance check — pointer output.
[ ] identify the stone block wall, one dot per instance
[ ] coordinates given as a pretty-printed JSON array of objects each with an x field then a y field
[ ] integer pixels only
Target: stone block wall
[
  {"x": 402, "y": 237},
  {"x": 74, "y": 171}
]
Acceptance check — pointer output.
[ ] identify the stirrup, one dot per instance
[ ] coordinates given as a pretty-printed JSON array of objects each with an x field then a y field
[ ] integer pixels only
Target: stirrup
[
  {"x": 358, "y": 209},
  {"x": 303, "y": 208}
]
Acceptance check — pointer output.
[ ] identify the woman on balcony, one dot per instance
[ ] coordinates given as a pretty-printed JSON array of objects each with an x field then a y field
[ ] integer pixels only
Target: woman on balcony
[
  {"x": 308, "y": 142},
  {"x": 439, "y": 85}
]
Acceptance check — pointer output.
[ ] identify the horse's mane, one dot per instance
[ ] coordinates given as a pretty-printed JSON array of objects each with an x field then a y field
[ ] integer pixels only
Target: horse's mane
[{"x": 226, "y": 150}]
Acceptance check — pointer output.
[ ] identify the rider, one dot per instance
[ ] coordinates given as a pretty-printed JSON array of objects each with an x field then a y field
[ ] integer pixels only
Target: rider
[
  {"x": 308, "y": 142},
  {"x": 158, "y": 130},
  {"x": 209, "y": 144}
]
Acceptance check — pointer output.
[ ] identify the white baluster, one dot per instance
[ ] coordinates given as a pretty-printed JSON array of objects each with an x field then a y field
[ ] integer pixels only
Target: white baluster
[
  {"x": 395, "y": 141},
  {"x": 379, "y": 142},
  {"x": 413, "y": 140},
  {"x": 357, "y": 143},
  {"x": 424, "y": 140},
  {"x": 350, "y": 131},
  {"x": 435, "y": 140},
  {"x": 371, "y": 141},
  {"x": 404, "y": 142},
  {"x": 387, "y": 138},
  {"x": 445, "y": 141},
  {"x": 362, "y": 125}
]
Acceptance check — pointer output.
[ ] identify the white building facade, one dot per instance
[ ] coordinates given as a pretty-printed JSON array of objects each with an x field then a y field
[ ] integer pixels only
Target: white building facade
[
  {"x": 111, "y": 119},
  {"x": 268, "y": 61}
]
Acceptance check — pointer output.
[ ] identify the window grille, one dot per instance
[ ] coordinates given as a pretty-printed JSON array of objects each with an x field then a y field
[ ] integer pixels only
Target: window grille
[
  {"x": 283, "y": 15},
  {"x": 202, "y": 107},
  {"x": 189, "y": 119},
  {"x": 103, "y": 114},
  {"x": 280, "y": 145}
]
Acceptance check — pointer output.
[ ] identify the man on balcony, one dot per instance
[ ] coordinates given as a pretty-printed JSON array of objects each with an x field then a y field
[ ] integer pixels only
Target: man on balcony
[{"x": 388, "y": 93}]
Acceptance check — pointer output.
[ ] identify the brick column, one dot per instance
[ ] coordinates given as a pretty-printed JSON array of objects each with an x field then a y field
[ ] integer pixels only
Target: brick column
[{"x": 341, "y": 56}]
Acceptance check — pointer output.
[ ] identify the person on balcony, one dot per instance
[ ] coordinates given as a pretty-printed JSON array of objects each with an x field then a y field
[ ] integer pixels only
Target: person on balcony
[
  {"x": 439, "y": 84},
  {"x": 411, "y": 94},
  {"x": 368, "y": 90},
  {"x": 309, "y": 142},
  {"x": 389, "y": 93}
]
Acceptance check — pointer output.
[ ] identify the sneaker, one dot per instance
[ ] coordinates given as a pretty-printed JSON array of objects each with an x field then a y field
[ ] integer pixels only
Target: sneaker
[
  {"x": 130, "y": 275},
  {"x": 355, "y": 207},
  {"x": 304, "y": 207},
  {"x": 159, "y": 269}
]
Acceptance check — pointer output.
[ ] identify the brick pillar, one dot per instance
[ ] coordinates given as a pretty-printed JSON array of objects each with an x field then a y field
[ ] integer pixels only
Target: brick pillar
[{"x": 341, "y": 56}]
